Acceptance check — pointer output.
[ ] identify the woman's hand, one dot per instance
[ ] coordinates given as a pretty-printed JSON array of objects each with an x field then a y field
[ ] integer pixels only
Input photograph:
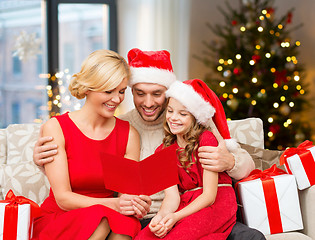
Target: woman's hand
[{"x": 135, "y": 205}]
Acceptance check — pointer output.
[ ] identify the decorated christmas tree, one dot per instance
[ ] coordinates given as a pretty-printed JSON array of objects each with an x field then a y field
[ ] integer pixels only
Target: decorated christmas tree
[{"x": 256, "y": 71}]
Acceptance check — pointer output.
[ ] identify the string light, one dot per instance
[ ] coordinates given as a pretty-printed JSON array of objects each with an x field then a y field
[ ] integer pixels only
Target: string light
[
  {"x": 235, "y": 90},
  {"x": 222, "y": 84},
  {"x": 230, "y": 61},
  {"x": 260, "y": 29},
  {"x": 243, "y": 29},
  {"x": 219, "y": 68},
  {"x": 270, "y": 134},
  {"x": 285, "y": 87},
  {"x": 238, "y": 56},
  {"x": 276, "y": 105},
  {"x": 291, "y": 104},
  {"x": 270, "y": 120},
  {"x": 254, "y": 80},
  {"x": 268, "y": 55},
  {"x": 253, "y": 102},
  {"x": 221, "y": 61},
  {"x": 252, "y": 62}
]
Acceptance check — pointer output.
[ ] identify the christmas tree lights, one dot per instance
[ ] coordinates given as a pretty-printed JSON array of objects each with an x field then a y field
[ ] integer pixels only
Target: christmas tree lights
[{"x": 257, "y": 72}]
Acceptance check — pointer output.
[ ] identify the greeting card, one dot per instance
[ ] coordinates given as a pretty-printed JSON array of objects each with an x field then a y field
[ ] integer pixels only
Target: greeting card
[{"x": 148, "y": 176}]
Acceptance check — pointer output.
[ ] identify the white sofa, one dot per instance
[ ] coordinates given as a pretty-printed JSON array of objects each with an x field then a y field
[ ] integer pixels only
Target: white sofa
[{"x": 18, "y": 172}]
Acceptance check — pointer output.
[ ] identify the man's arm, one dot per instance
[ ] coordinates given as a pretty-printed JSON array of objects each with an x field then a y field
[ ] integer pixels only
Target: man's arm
[
  {"x": 218, "y": 159},
  {"x": 42, "y": 153}
]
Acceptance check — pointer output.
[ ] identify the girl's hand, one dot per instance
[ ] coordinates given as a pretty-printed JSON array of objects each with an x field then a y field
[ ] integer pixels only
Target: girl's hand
[
  {"x": 169, "y": 221},
  {"x": 156, "y": 227}
]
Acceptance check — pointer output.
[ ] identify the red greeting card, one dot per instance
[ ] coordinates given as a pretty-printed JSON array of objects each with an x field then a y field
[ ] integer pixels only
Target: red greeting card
[{"x": 151, "y": 175}]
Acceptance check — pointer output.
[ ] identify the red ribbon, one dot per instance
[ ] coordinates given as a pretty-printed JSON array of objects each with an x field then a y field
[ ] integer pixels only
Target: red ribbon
[
  {"x": 11, "y": 214},
  {"x": 306, "y": 159},
  {"x": 271, "y": 198}
]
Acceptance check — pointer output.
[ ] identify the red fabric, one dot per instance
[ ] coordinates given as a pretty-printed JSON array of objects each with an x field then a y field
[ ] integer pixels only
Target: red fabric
[
  {"x": 11, "y": 214},
  {"x": 272, "y": 205},
  {"x": 150, "y": 59},
  {"x": 86, "y": 178},
  {"x": 213, "y": 222}
]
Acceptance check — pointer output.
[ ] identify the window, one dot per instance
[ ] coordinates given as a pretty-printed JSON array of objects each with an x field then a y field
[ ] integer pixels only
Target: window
[{"x": 47, "y": 37}]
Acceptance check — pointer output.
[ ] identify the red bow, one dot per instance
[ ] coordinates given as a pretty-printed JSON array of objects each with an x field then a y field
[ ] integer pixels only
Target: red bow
[
  {"x": 271, "y": 199},
  {"x": 11, "y": 213},
  {"x": 292, "y": 151}
]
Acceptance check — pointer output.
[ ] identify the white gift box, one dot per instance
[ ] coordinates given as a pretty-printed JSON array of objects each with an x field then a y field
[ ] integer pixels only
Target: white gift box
[
  {"x": 296, "y": 167},
  {"x": 23, "y": 223},
  {"x": 254, "y": 205}
]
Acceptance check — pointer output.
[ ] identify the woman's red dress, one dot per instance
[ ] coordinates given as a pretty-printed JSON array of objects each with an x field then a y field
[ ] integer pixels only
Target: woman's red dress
[
  {"x": 211, "y": 223},
  {"x": 86, "y": 178}
]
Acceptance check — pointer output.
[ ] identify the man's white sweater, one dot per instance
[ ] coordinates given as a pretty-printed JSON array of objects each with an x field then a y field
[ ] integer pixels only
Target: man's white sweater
[{"x": 151, "y": 136}]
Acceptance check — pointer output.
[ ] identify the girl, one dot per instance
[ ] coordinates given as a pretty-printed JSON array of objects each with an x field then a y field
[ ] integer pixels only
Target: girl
[
  {"x": 79, "y": 206},
  {"x": 206, "y": 208}
]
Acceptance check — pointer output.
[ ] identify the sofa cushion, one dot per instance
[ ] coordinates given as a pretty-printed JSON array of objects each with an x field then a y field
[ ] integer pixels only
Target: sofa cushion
[
  {"x": 263, "y": 158},
  {"x": 3, "y": 146},
  {"x": 25, "y": 179},
  {"x": 21, "y": 139},
  {"x": 248, "y": 131}
]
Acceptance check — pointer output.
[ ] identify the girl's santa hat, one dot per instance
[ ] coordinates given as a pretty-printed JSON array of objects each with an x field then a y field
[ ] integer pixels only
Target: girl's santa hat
[
  {"x": 204, "y": 105},
  {"x": 150, "y": 67}
]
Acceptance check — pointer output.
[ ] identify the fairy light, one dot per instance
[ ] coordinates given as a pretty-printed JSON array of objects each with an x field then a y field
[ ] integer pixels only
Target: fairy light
[
  {"x": 221, "y": 61},
  {"x": 296, "y": 78},
  {"x": 261, "y": 18},
  {"x": 219, "y": 68},
  {"x": 298, "y": 87},
  {"x": 302, "y": 91},
  {"x": 288, "y": 59},
  {"x": 230, "y": 61},
  {"x": 298, "y": 43},
  {"x": 285, "y": 87},
  {"x": 291, "y": 104},
  {"x": 260, "y": 29},
  {"x": 282, "y": 98},
  {"x": 272, "y": 70},
  {"x": 254, "y": 80},
  {"x": 264, "y": 11},
  {"x": 275, "y": 85},
  {"x": 231, "y": 96},
  {"x": 277, "y": 34},
  {"x": 258, "y": 47},
  {"x": 247, "y": 95},
  {"x": 235, "y": 90},
  {"x": 276, "y": 105},
  {"x": 252, "y": 62},
  {"x": 268, "y": 55},
  {"x": 263, "y": 91},
  {"x": 270, "y": 120},
  {"x": 280, "y": 26},
  {"x": 222, "y": 84},
  {"x": 238, "y": 56},
  {"x": 225, "y": 95},
  {"x": 285, "y": 124},
  {"x": 253, "y": 102},
  {"x": 272, "y": 32},
  {"x": 243, "y": 29},
  {"x": 289, "y": 121}
]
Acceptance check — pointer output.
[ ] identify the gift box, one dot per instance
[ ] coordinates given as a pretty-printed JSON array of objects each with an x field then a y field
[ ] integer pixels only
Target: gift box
[
  {"x": 300, "y": 162},
  {"x": 270, "y": 201},
  {"x": 16, "y": 217}
]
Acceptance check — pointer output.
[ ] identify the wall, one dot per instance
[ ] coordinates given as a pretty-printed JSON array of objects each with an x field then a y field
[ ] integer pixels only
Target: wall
[{"x": 203, "y": 11}]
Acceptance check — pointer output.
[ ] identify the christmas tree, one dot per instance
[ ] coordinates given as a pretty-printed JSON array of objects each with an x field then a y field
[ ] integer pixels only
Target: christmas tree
[{"x": 256, "y": 72}]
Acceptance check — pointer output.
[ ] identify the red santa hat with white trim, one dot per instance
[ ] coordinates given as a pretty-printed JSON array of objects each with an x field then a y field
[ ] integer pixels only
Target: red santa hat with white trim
[
  {"x": 204, "y": 105},
  {"x": 150, "y": 67}
]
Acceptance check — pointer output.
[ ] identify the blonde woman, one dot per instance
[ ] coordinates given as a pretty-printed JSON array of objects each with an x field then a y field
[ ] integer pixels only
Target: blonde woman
[{"x": 79, "y": 206}]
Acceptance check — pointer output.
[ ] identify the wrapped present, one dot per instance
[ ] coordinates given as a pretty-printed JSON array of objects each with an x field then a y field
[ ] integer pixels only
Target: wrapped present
[
  {"x": 300, "y": 162},
  {"x": 16, "y": 217},
  {"x": 270, "y": 201}
]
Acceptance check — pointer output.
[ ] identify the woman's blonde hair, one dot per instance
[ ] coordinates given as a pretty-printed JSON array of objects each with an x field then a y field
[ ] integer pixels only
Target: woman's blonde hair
[
  {"x": 192, "y": 139},
  {"x": 102, "y": 70}
]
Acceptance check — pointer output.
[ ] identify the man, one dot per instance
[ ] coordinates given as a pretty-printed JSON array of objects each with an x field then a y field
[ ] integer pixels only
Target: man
[{"x": 152, "y": 74}]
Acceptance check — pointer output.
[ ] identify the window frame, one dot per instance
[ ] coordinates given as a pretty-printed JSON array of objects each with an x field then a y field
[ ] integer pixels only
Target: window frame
[{"x": 53, "y": 36}]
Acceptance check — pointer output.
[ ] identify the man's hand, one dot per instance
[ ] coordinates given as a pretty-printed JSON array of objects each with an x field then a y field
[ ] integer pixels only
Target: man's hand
[
  {"x": 216, "y": 159},
  {"x": 135, "y": 205},
  {"x": 43, "y": 154}
]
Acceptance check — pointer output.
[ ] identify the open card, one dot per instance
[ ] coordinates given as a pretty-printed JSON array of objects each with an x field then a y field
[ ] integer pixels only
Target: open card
[{"x": 151, "y": 175}]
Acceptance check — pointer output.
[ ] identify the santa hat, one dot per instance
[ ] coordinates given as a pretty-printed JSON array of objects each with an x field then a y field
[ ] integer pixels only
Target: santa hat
[
  {"x": 150, "y": 67},
  {"x": 204, "y": 105}
]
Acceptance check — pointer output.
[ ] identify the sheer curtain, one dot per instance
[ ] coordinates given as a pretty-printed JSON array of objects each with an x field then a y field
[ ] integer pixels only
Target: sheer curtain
[{"x": 155, "y": 25}]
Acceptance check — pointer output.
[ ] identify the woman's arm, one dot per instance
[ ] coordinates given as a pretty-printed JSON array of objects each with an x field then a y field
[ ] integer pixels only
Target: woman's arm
[{"x": 58, "y": 175}]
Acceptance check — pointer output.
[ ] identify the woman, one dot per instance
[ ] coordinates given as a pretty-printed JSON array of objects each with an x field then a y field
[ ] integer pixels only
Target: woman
[{"x": 79, "y": 206}]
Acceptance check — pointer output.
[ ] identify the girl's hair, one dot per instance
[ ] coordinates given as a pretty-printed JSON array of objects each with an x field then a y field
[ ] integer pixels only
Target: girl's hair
[
  {"x": 192, "y": 139},
  {"x": 102, "y": 70}
]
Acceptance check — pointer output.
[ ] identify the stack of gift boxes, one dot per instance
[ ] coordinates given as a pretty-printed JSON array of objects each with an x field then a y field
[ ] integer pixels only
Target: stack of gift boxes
[{"x": 269, "y": 198}]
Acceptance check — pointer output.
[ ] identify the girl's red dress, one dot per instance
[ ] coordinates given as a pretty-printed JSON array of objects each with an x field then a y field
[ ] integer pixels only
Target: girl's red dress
[
  {"x": 213, "y": 222},
  {"x": 86, "y": 178}
]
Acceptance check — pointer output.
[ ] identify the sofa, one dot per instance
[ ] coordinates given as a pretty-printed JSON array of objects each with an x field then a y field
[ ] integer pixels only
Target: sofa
[{"x": 19, "y": 173}]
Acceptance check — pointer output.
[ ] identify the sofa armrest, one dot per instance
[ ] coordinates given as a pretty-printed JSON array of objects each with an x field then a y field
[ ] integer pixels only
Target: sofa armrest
[{"x": 307, "y": 200}]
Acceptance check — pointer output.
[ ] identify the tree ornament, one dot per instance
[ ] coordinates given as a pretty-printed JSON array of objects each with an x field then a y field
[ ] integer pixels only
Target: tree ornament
[{"x": 274, "y": 128}]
